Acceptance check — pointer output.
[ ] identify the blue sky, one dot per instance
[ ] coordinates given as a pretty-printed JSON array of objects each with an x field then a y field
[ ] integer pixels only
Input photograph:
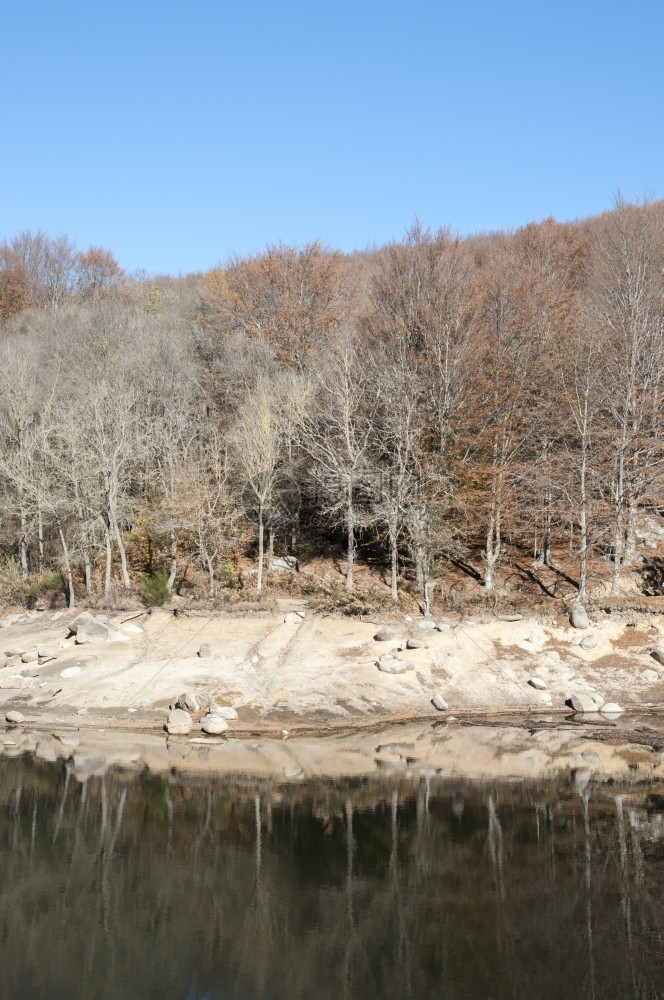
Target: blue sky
[{"x": 176, "y": 134}]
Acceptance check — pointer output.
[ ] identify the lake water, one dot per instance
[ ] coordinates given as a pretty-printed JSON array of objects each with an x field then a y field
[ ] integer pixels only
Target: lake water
[{"x": 181, "y": 887}]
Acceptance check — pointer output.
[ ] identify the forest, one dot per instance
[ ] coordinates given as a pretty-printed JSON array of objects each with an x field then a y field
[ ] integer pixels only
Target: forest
[{"x": 486, "y": 408}]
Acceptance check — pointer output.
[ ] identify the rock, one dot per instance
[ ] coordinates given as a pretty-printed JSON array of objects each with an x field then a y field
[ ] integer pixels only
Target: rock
[
  {"x": 15, "y": 682},
  {"x": 204, "y": 650},
  {"x": 225, "y": 712},
  {"x": 384, "y": 634},
  {"x": 30, "y": 657},
  {"x": 443, "y": 626},
  {"x": 582, "y": 703},
  {"x": 91, "y": 630},
  {"x": 47, "y": 653},
  {"x": 178, "y": 722},
  {"x": 611, "y": 708},
  {"x": 650, "y": 675},
  {"x": 414, "y": 644},
  {"x": 188, "y": 702},
  {"x": 545, "y": 697},
  {"x": 14, "y": 651},
  {"x": 658, "y": 654},
  {"x": 282, "y": 564},
  {"x": 427, "y": 625},
  {"x": 14, "y": 718},
  {"x": 10, "y": 620},
  {"x": 598, "y": 700},
  {"x": 439, "y": 703},
  {"x": 214, "y": 725},
  {"x": 589, "y": 642},
  {"x": 391, "y": 666},
  {"x": 509, "y": 618},
  {"x": 578, "y": 617},
  {"x": 84, "y": 616},
  {"x": 71, "y": 672},
  {"x": 537, "y": 683},
  {"x": 203, "y": 698},
  {"x": 292, "y": 618}
]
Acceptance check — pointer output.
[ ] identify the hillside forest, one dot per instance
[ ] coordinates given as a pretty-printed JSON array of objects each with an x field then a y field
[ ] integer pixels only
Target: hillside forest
[{"x": 435, "y": 417}]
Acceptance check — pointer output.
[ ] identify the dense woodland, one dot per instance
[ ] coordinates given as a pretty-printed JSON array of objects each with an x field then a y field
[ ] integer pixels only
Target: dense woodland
[{"x": 434, "y": 403}]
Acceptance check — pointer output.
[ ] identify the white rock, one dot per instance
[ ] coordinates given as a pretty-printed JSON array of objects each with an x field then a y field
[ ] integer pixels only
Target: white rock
[
  {"x": 188, "y": 702},
  {"x": 14, "y": 718},
  {"x": 611, "y": 708},
  {"x": 16, "y": 682},
  {"x": 650, "y": 675},
  {"x": 589, "y": 641},
  {"x": 545, "y": 697},
  {"x": 70, "y": 672},
  {"x": 439, "y": 703},
  {"x": 414, "y": 644},
  {"x": 292, "y": 618},
  {"x": 30, "y": 657},
  {"x": 178, "y": 722},
  {"x": 225, "y": 712},
  {"x": 395, "y": 666},
  {"x": 384, "y": 634},
  {"x": 538, "y": 683},
  {"x": 214, "y": 725},
  {"x": 578, "y": 617},
  {"x": 427, "y": 625},
  {"x": 658, "y": 654},
  {"x": 582, "y": 703}
]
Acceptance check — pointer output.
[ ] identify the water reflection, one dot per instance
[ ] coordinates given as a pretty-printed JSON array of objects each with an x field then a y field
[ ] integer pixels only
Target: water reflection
[{"x": 128, "y": 885}]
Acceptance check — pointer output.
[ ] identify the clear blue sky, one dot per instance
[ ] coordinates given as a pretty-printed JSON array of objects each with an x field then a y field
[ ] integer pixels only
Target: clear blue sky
[{"x": 175, "y": 133}]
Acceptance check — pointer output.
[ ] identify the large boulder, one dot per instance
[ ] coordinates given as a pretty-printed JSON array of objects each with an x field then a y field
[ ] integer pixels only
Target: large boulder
[
  {"x": 14, "y": 718},
  {"x": 214, "y": 725},
  {"x": 582, "y": 703},
  {"x": 178, "y": 722},
  {"x": 188, "y": 702},
  {"x": 384, "y": 634},
  {"x": 90, "y": 629},
  {"x": 578, "y": 617}
]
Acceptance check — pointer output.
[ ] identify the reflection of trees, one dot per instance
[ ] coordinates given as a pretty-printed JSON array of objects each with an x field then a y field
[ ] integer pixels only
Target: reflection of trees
[{"x": 141, "y": 886}]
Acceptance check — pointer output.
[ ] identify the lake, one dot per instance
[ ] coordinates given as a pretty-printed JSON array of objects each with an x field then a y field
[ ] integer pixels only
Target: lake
[{"x": 135, "y": 884}]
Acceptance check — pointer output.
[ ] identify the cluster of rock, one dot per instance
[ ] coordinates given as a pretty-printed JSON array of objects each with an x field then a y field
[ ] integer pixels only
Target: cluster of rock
[
  {"x": 389, "y": 663},
  {"x": 213, "y": 718}
]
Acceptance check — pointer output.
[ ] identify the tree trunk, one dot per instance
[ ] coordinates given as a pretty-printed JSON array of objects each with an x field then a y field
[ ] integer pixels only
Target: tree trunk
[
  {"x": 40, "y": 535},
  {"x": 210, "y": 568},
  {"x": 65, "y": 554},
  {"x": 23, "y": 546},
  {"x": 619, "y": 530},
  {"x": 394, "y": 558},
  {"x": 261, "y": 533},
  {"x": 107, "y": 575},
  {"x": 350, "y": 553},
  {"x": 115, "y": 528},
  {"x": 583, "y": 521},
  {"x": 174, "y": 557}
]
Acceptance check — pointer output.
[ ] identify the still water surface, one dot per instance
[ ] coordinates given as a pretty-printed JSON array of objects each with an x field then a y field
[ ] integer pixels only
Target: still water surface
[{"x": 136, "y": 885}]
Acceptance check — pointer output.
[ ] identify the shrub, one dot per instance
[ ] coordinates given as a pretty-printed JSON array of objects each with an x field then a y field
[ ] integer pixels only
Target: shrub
[
  {"x": 229, "y": 577},
  {"x": 155, "y": 588}
]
